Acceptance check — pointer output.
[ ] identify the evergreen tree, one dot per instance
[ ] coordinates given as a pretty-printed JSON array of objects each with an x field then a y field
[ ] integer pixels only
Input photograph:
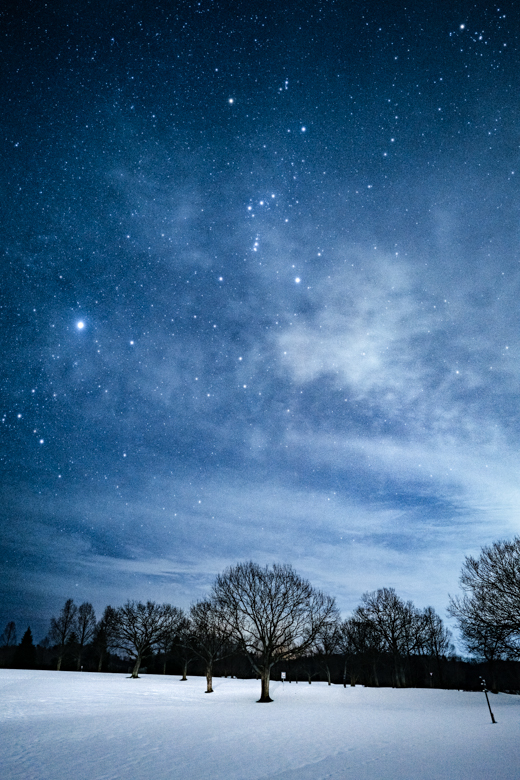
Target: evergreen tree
[{"x": 25, "y": 653}]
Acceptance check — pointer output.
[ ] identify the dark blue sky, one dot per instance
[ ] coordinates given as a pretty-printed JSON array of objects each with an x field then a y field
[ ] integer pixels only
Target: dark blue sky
[{"x": 260, "y": 296}]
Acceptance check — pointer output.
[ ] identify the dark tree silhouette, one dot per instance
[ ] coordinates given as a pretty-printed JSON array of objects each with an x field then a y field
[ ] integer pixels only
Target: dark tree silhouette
[
  {"x": 397, "y": 623},
  {"x": 62, "y": 628},
  {"x": 328, "y": 644},
  {"x": 435, "y": 640},
  {"x": 491, "y": 582},
  {"x": 209, "y": 637},
  {"x": 8, "y": 638},
  {"x": 84, "y": 628},
  {"x": 361, "y": 641},
  {"x": 139, "y": 628},
  {"x": 271, "y": 613},
  {"x": 482, "y": 636},
  {"x": 488, "y": 613},
  {"x": 181, "y": 647},
  {"x": 25, "y": 654},
  {"x": 103, "y": 635},
  {"x": 166, "y": 644}
]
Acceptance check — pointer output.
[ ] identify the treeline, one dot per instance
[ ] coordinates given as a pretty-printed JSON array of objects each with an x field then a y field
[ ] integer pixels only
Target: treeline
[{"x": 264, "y": 621}]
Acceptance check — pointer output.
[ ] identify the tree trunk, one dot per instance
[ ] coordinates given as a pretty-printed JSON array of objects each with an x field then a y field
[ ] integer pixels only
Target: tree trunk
[
  {"x": 328, "y": 675},
  {"x": 135, "y": 670},
  {"x": 58, "y": 665},
  {"x": 100, "y": 664},
  {"x": 184, "y": 671},
  {"x": 345, "y": 674},
  {"x": 492, "y": 672},
  {"x": 78, "y": 665},
  {"x": 209, "y": 678},
  {"x": 265, "y": 677}
]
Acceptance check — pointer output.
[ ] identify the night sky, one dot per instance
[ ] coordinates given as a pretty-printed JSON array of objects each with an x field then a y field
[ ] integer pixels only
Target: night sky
[{"x": 260, "y": 296}]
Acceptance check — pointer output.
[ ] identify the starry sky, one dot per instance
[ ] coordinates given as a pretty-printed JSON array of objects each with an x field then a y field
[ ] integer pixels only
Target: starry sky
[{"x": 260, "y": 296}]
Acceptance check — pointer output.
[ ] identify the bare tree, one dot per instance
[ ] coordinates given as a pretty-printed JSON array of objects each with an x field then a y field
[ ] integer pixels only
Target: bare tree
[
  {"x": 104, "y": 635},
  {"x": 8, "y": 638},
  {"x": 85, "y": 628},
  {"x": 181, "y": 646},
  {"x": 482, "y": 636},
  {"x": 435, "y": 639},
  {"x": 328, "y": 644},
  {"x": 138, "y": 628},
  {"x": 488, "y": 613},
  {"x": 271, "y": 613},
  {"x": 492, "y": 581},
  {"x": 396, "y": 622},
  {"x": 361, "y": 644},
  {"x": 166, "y": 644},
  {"x": 62, "y": 629},
  {"x": 306, "y": 666},
  {"x": 209, "y": 637}
]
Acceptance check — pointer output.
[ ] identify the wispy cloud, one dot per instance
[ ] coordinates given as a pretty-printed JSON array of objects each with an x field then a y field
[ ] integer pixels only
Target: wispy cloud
[{"x": 405, "y": 355}]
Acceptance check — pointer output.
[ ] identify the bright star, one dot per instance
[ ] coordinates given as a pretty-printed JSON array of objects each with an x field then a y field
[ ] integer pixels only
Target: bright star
[{"x": 80, "y": 325}]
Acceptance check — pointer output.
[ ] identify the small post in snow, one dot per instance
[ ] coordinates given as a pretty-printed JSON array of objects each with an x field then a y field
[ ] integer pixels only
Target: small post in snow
[{"x": 483, "y": 683}]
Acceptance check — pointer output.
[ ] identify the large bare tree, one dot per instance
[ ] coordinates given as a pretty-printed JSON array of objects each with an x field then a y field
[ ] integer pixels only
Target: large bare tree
[
  {"x": 272, "y": 613},
  {"x": 138, "y": 628},
  {"x": 488, "y": 613},
  {"x": 492, "y": 581},
  {"x": 483, "y": 636}
]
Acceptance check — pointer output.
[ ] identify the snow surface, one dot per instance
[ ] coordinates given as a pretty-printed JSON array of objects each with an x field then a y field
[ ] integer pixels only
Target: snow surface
[{"x": 62, "y": 725}]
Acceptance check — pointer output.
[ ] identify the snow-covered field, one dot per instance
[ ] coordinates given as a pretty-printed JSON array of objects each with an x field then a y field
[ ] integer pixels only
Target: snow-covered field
[{"x": 62, "y": 725}]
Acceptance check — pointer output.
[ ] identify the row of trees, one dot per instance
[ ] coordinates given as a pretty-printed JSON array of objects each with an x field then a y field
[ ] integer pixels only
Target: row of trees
[
  {"x": 385, "y": 625},
  {"x": 269, "y": 615}
]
